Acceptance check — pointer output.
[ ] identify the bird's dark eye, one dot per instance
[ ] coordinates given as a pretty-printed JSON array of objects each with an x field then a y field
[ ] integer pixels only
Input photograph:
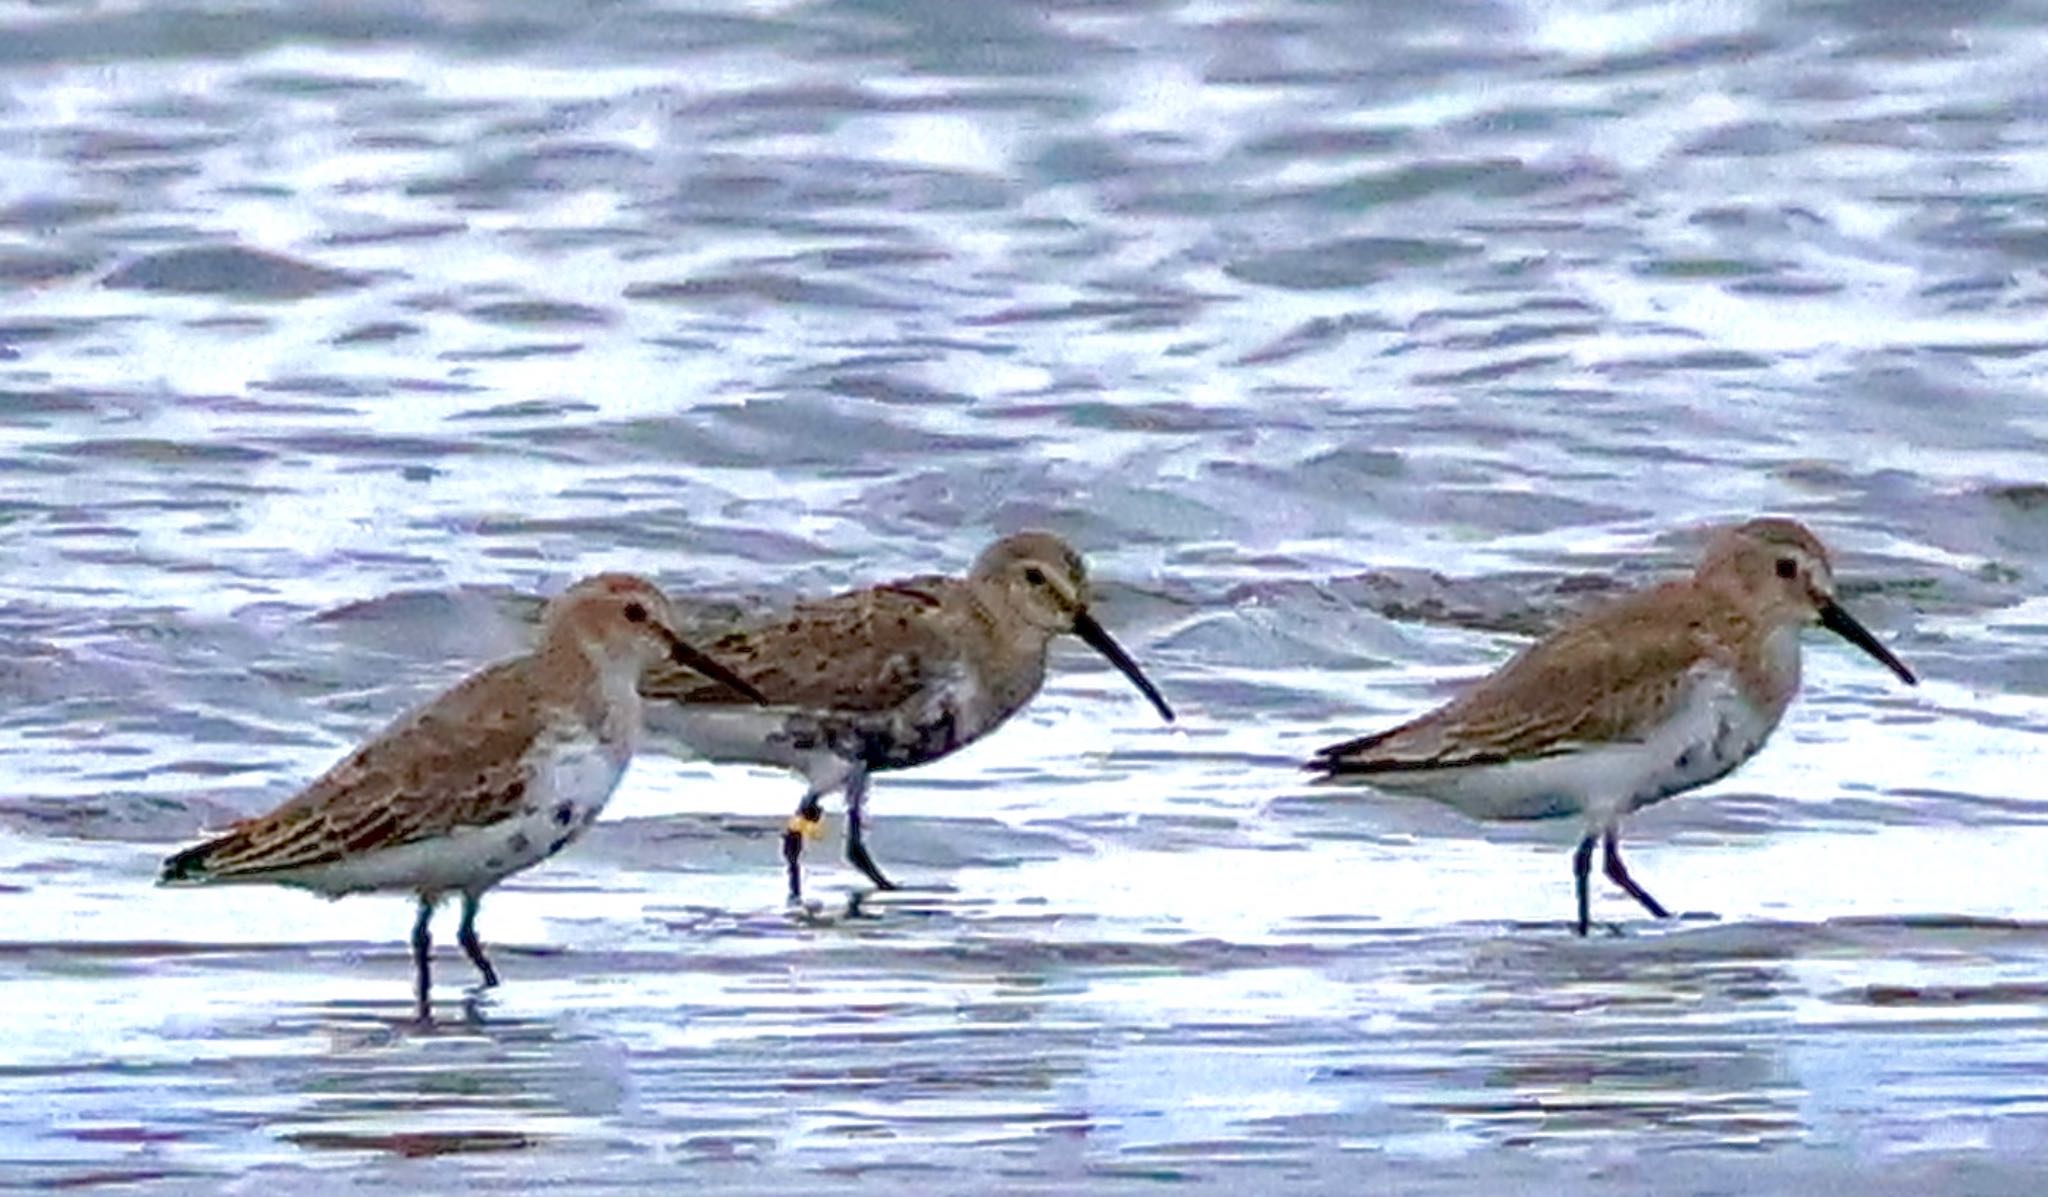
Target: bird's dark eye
[
  {"x": 1034, "y": 575},
  {"x": 636, "y": 613},
  {"x": 1787, "y": 567}
]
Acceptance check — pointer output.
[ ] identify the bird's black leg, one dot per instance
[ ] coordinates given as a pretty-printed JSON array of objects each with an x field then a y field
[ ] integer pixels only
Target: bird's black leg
[
  {"x": 422, "y": 948},
  {"x": 1582, "y": 869},
  {"x": 466, "y": 936},
  {"x": 1617, "y": 872},
  {"x": 856, "y": 846},
  {"x": 807, "y": 813}
]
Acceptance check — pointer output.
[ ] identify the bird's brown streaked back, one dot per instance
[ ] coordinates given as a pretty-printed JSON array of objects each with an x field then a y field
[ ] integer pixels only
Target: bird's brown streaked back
[
  {"x": 864, "y": 651},
  {"x": 1617, "y": 668},
  {"x": 458, "y": 762},
  {"x": 871, "y": 650}
]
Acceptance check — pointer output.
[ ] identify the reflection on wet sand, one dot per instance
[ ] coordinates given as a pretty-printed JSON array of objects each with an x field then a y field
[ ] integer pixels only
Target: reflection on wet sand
[
  {"x": 371, "y": 1082},
  {"x": 1546, "y": 1044},
  {"x": 963, "y": 1036}
]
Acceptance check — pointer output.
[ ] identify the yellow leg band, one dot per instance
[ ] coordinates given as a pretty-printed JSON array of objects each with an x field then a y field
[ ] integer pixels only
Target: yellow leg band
[{"x": 810, "y": 829}]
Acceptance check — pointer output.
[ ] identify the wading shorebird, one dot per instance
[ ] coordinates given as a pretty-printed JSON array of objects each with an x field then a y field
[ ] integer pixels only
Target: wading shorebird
[
  {"x": 494, "y": 776},
  {"x": 1652, "y": 695},
  {"x": 888, "y": 677}
]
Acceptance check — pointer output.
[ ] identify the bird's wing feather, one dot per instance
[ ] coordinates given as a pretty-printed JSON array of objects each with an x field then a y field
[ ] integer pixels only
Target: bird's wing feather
[
  {"x": 864, "y": 651},
  {"x": 459, "y": 761},
  {"x": 1599, "y": 680}
]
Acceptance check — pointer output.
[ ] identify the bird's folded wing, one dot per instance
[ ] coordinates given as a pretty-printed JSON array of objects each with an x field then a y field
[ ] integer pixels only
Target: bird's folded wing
[
  {"x": 1607, "y": 679},
  {"x": 460, "y": 761},
  {"x": 863, "y": 651}
]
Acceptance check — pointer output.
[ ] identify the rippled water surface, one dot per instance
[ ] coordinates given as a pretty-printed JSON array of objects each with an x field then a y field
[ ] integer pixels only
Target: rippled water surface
[{"x": 1353, "y": 344}]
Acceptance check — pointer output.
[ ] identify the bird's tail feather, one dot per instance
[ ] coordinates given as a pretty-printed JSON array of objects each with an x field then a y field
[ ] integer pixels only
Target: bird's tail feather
[{"x": 190, "y": 866}]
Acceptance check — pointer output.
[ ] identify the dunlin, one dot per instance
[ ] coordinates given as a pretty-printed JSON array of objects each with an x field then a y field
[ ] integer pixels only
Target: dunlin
[
  {"x": 1652, "y": 695},
  {"x": 492, "y": 777},
  {"x": 888, "y": 677}
]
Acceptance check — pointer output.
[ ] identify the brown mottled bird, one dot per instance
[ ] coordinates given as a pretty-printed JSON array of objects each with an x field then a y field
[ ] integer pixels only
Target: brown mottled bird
[
  {"x": 492, "y": 777},
  {"x": 1650, "y": 696},
  {"x": 888, "y": 677}
]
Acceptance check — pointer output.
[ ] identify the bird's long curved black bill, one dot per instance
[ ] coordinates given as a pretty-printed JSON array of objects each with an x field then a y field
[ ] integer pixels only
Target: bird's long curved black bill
[
  {"x": 682, "y": 654},
  {"x": 1843, "y": 624},
  {"x": 1098, "y": 638}
]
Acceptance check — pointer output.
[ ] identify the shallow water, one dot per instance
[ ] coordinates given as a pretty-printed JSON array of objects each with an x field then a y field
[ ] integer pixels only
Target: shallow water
[{"x": 1353, "y": 347}]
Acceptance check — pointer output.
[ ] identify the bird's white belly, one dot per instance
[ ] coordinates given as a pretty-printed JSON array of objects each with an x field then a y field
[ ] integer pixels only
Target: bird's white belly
[
  {"x": 1548, "y": 787},
  {"x": 728, "y": 734},
  {"x": 1712, "y": 729},
  {"x": 566, "y": 794},
  {"x": 825, "y": 745}
]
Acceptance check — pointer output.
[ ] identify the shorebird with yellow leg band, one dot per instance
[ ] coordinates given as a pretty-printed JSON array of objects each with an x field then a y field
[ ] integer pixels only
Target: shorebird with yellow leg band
[
  {"x": 492, "y": 777},
  {"x": 888, "y": 677},
  {"x": 1645, "y": 698}
]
